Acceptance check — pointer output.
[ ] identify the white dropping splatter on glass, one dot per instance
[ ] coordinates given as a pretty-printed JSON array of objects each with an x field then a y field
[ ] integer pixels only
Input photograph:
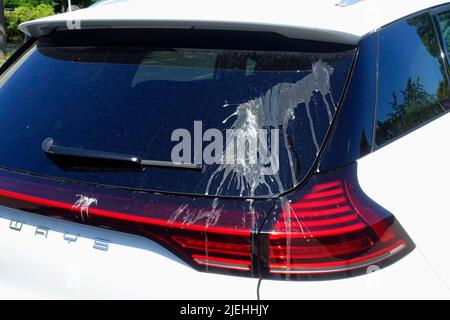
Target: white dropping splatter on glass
[{"x": 272, "y": 110}]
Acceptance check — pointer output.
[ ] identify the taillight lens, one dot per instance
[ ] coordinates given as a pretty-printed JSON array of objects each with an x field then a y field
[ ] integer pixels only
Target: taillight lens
[
  {"x": 210, "y": 234},
  {"x": 330, "y": 228},
  {"x": 326, "y": 228}
]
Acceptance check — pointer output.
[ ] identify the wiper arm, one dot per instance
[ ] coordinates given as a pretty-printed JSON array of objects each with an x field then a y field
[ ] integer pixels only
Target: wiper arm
[{"x": 52, "y": 149}]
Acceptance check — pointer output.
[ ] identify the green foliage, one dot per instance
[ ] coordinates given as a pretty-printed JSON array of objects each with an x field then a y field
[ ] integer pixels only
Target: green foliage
[
  {"x": 26, "y": 10},
  {"x": 424, "y": 28},
  {"x": 14, "y": 3},
  {"x": 22, "y": 14},
  {"x": 4, "y": 58},
  {"x": 27, "y": 3},
  {"x": 444, "y": 23},
  {"x": 58, "y": 4}
]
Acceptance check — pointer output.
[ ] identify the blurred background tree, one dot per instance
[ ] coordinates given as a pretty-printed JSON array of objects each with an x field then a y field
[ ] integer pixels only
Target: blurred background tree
[
  {"x": 21, "y": 14},
  {"x": 14, "y": 12},
  {"x": 3, "y": 48},
  {"x": 18, "y": 11}
]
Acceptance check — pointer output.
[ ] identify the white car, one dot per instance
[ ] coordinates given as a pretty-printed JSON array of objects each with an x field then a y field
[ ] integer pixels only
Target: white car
[{"x": 355, "y": 99}]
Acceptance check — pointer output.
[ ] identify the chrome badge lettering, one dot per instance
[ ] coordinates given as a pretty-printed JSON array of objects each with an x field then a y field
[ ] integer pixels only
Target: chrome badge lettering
[
  {"x": 101, "y": 244},
  {"x": 15, "y": 225}
]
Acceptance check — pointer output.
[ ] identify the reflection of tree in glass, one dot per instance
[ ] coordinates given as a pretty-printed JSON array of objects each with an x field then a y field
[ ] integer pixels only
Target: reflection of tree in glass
[
  {"x": 444, "y": 24},
  {"x": 416, "y": 106},
  {"x": 425, "y": 30}
]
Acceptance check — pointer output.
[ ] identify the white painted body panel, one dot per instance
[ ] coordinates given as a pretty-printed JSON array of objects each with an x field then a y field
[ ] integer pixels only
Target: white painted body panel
[
  {"x": 411, "y": 178},
  {"x": 409, "y": 278},
  {"x": 316, "y": 20},
  {"x": 35, "y": 267}
]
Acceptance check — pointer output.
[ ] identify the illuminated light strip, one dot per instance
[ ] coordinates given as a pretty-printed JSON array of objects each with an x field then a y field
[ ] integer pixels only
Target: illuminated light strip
[
  {"x": 222, "y": 263},
  {"x": 120, "y": 215},
  {"x": 375, "y": 227},
  {"x": 320, "y": 251},
  {"x": 319, "y": 233},
  {"x": 323, "y": 194},
  {"x": 323, "y": 222},
  {"x": 328, "y": 185},
  {"x": 323, "y": 212},
  {"x": 339, "y": 266},
  {"x": 216, "y": 247},
  {"x": 321, "y": 203}
]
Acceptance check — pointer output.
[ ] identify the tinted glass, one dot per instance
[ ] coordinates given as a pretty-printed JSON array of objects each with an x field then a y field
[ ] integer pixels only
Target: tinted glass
[
  {"x": 444, "y": 30},
  {"x": 131, "y": 99},
  {"x": 444, "y": 25},
  {"x": 352, "y": 137},
  {"x": 412, "y": 81}
]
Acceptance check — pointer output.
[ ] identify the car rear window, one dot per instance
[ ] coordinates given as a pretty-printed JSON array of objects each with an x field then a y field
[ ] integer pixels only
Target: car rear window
[
  {"x": 132, "y": 99},
  {"x": 413, "y": 86}
]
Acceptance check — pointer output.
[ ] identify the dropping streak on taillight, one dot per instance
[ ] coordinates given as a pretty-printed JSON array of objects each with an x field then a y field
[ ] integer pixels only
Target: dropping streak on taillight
[
  {"x": 328, "y": 228},
  {"x": 210, "y": 234}
]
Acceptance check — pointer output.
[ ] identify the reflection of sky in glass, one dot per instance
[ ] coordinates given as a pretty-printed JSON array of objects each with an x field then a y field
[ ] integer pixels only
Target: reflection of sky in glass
[{"x": 402, "y": 56}]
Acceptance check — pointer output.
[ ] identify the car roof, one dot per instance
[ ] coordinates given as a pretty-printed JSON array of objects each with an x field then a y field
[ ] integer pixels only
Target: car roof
[{"x": 340, "y": 21}]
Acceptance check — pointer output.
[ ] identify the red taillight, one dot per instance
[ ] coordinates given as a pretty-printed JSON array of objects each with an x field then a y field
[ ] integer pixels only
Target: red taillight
[
  {"x": 330, "y": 227},
  {"x": 210, "y": 234},
  {"x": 211, "y": 261},
  {"x": 217, "y": 250}
]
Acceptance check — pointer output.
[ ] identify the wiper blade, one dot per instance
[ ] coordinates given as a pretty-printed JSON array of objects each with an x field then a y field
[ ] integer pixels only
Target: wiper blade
[{"x": 50, "y": 148}]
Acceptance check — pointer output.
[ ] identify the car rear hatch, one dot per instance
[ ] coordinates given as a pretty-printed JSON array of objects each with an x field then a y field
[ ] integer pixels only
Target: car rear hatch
[{"x": 133, "y": 130}]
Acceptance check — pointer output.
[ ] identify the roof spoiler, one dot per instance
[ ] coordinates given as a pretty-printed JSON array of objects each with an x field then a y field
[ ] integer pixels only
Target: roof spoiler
[{"x": 43, "y": 27}]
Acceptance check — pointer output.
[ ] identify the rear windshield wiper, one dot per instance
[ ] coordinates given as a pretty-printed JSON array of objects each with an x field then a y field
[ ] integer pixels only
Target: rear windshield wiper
[{"x": 52, "y": 149}]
